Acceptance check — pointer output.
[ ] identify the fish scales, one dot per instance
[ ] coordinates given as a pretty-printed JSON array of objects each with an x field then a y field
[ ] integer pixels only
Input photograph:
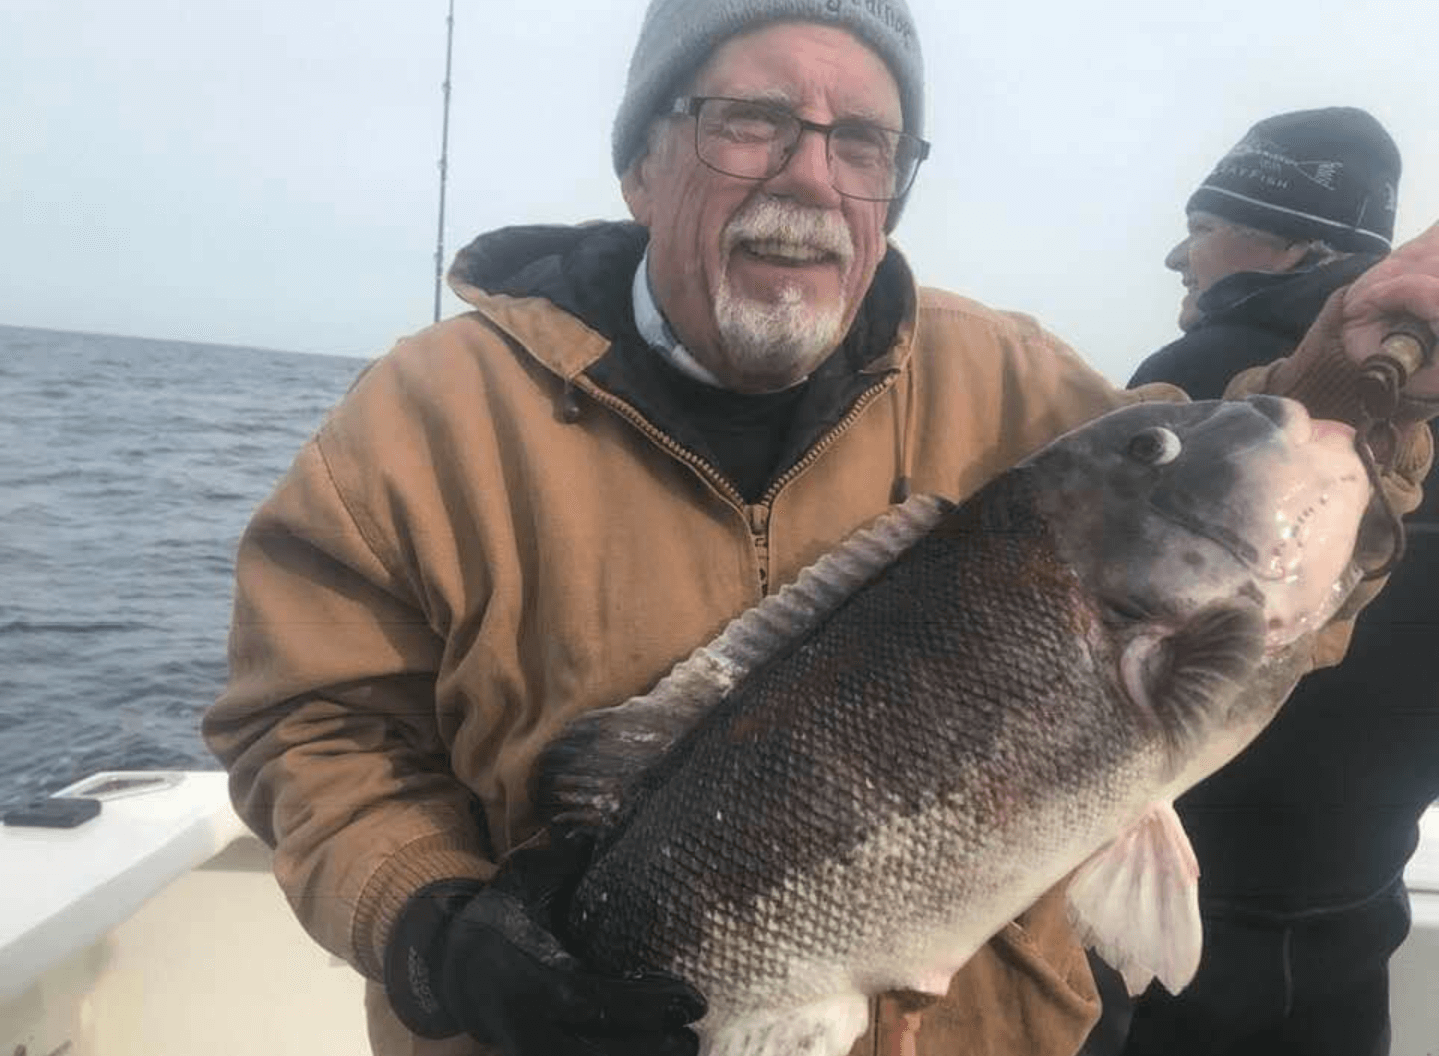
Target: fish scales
[{"x": 866, "y": 761}]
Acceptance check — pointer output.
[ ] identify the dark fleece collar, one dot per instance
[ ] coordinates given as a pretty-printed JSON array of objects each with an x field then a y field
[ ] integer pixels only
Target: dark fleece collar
[
  {"x": 587, "y": 271},
  {"x": 1284, "y": 302}
]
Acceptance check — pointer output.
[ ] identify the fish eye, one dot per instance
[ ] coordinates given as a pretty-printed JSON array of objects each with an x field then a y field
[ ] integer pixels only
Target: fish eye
[{"x": 1156, "y": 446}]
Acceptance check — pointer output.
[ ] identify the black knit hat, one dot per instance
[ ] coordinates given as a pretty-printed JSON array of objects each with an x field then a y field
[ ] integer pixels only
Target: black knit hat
[{"x": 1330, "y": 174}]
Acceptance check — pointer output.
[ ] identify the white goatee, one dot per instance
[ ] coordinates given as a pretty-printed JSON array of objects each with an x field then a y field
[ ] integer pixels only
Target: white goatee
[{"x": 778, "y": 342}]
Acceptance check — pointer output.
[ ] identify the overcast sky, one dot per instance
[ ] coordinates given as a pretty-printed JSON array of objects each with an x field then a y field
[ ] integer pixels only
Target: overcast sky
[{"x": 263, "y": 172}]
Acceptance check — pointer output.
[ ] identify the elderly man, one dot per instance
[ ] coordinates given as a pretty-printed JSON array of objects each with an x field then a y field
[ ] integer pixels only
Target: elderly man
[{"x": 538, "y": 507}]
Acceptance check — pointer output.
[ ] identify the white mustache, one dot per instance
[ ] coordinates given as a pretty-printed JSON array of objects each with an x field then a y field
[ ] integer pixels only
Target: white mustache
[{"x": 802, "y": 227}]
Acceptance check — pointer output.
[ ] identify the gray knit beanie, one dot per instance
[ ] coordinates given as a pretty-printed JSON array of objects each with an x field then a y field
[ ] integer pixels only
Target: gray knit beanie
[{"x": 678, "y": 36}]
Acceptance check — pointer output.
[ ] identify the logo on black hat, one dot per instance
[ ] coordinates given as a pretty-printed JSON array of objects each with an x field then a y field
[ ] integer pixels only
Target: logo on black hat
[{"x": 1324, "y": 173}]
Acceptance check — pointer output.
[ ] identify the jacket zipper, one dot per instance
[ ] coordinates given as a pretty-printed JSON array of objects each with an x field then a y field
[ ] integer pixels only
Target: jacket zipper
[
  {"x": 863, "y": 400},
  {"x": 756, "y": 515},
  {"x": 671, "y": 447}
]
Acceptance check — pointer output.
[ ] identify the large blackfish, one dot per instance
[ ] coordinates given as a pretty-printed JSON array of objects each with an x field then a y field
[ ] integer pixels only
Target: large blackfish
[{"x": 868, "y": 775}]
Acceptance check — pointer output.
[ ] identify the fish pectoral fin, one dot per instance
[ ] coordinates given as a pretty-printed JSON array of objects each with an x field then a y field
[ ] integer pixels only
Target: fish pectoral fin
[
  {"x": 1136, "y": 903},
  {"x": 1188, "y": 680}
]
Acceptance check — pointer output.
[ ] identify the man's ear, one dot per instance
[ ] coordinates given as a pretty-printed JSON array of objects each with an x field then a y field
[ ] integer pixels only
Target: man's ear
[
  {"x": 639, "y": 182},
  {"x": 635, "y": 187},
  {"x": 1300, "y": 254}
]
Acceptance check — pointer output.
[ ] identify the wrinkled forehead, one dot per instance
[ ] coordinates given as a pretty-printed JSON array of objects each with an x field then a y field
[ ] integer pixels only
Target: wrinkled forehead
[{"x": 803, "y": 63}]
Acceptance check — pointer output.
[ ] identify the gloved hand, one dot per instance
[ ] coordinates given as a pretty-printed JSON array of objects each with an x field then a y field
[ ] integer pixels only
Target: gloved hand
[
  {"x": 1403, "y": 284},
  {"x": 1400, "y": 292},
  {"x": 483, "y": 960}
]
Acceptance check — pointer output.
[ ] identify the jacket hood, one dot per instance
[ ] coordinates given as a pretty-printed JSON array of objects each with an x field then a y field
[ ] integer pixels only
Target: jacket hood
[
  {"x": 516, "y": 278},
  {"x": 584, "y": 269}
]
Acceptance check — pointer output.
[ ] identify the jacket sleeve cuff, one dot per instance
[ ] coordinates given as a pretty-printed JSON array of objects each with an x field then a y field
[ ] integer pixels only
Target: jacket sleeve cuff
[
  {"x": 413, "y": 955},
  {"x": 428, "y": 860}
]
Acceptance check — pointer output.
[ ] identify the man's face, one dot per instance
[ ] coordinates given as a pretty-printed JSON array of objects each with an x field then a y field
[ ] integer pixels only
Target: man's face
[
  {"x": 761, "y": 279},
  {"x": 1215, "y": 249}
]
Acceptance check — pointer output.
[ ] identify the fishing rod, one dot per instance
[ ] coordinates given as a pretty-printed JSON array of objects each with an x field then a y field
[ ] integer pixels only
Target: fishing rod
[{"x": 444, "y": 158}]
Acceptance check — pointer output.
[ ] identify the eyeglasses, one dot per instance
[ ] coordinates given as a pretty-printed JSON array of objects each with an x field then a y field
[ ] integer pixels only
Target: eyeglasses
[{"x": 754, "y": 141}]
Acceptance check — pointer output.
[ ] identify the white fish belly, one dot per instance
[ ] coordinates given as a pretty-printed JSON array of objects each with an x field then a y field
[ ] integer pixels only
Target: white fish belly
[{"x": 905, "y": 910}]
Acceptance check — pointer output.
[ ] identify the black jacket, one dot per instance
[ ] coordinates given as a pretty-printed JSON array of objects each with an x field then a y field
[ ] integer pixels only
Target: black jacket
[{"x": 1321, "y": 810}]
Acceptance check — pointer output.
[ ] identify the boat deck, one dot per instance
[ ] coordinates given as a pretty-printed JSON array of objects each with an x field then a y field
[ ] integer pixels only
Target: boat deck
[{"x": 158, "y": 930}]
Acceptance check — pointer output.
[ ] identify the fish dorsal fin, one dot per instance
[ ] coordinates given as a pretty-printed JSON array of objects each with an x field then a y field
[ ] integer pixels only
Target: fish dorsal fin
[
  {"x": 1136, "y": 902},
  {"x": 583, "y": 772}
]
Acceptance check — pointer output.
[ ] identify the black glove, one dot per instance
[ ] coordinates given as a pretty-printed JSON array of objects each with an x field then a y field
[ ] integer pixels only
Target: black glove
[{"x": 483, "y": 960}]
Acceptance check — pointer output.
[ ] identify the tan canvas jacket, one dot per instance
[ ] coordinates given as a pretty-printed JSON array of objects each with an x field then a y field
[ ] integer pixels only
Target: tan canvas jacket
[{"x": 480, "y": 544}]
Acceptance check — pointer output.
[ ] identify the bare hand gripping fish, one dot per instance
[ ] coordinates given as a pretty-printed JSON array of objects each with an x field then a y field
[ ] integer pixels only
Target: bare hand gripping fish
[{"x": 868, "y": 775}]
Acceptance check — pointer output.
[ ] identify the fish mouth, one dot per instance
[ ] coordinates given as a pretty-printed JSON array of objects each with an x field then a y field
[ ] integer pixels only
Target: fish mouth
[
  {"x": 1296, "y": 591},
  {"x": 1300, "y": 514},
  {"x": 1275, "y": 560},
  {"x": 1322, "y": 430},
  {"x": 1239, "y": 548}
]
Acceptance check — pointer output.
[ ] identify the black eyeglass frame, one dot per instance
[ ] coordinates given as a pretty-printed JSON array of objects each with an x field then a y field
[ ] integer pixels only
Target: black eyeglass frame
[{"x": 690, "y": 106}]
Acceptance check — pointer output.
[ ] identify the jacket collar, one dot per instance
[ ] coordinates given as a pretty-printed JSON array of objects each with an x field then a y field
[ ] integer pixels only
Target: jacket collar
[
  {"x": 1284, "y": 302},
  {"x": 586, "y": 271}
]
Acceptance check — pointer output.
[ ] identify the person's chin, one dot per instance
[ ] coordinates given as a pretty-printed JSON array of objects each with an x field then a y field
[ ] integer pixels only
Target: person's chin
[
  {"x": 1189, "y": 317},
  {"x": 781, "y": 342}
]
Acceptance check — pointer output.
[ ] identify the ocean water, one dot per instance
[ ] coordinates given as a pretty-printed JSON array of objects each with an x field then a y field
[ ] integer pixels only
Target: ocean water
[{"x": 128, "y": 470}]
